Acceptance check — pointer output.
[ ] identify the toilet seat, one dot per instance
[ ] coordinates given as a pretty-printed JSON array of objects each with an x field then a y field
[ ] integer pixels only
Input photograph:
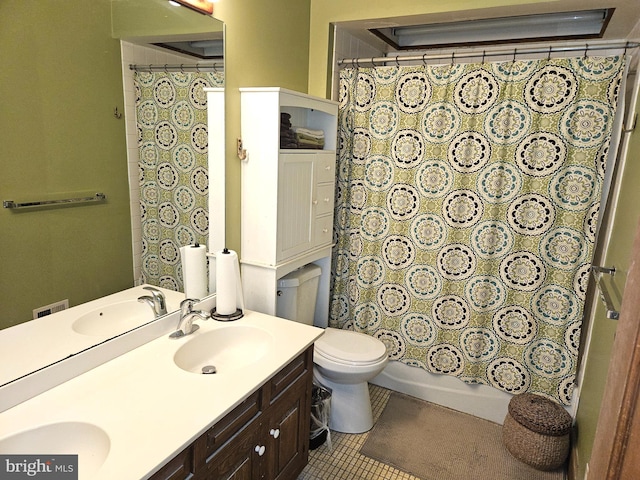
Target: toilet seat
[{"x": 347, "y": 347}]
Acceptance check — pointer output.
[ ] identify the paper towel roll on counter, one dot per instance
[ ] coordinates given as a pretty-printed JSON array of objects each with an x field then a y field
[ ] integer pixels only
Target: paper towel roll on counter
[
  {"x": 194, "y": 270},
  {"x": 228, "y": 284}
]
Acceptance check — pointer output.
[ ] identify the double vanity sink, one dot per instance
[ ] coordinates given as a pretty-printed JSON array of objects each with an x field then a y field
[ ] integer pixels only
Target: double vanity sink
[{"x": 128, "y": 416}]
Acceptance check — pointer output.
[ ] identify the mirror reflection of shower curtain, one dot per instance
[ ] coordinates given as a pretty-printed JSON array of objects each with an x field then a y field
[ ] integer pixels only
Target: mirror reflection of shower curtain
[
  {"x": 467, "y": 204},
  {"x": 171, "y": 112}
]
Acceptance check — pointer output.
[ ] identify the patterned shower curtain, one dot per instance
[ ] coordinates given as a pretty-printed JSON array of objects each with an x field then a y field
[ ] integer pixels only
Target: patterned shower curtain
[
  {"x": 466, "y": 212},
  {"x": 171, "y": 110}
]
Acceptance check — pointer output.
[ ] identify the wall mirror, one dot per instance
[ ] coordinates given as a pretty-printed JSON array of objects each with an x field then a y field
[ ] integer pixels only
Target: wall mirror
[{"x": 141, "y": 22}]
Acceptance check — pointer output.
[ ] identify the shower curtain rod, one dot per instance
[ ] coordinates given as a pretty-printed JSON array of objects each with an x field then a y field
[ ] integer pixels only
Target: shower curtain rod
[
  {"x": 483, "y": 53},
  {"x": 183, "y": 67}
]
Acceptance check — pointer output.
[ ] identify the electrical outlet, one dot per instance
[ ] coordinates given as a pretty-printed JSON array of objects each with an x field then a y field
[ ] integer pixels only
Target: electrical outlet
[{"x": 51, "y": 308}]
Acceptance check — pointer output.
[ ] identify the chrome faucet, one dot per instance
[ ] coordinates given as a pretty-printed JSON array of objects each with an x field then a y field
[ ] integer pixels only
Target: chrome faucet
[
  {"x": 156, "y": 301},
  {"x": 187, "y": 315}
]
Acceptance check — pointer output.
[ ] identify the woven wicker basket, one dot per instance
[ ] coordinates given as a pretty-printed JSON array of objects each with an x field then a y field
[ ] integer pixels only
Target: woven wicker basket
[{"x": 536, "y": 431}]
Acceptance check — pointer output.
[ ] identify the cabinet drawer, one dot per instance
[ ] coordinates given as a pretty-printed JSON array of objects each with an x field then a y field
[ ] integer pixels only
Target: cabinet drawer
[
  {"x": 287, "y": 377},
  {"x": 324, "y": 198},
  {"x": 326, "y": 167},
  {"x": 323, "y": 233},
  {"x": 232, "y": 423}
]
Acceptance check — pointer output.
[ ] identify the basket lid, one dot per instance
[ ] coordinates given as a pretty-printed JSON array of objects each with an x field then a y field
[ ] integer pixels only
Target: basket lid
[{"x": 540, "y": 414}]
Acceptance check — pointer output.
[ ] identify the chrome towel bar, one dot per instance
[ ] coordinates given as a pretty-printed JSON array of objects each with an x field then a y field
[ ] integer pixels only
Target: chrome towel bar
[
  {"x": 98, "y": 197},
  {"x": 598, "y": 273}
]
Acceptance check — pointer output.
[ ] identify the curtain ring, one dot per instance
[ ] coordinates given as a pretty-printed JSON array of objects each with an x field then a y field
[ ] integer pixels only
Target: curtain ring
[
  {"x": 549, "y": 55},
  {"x": 165, "y": 68},
  {"x": 586, "y": 48},
  {"x": 150, "y": 71},
  {"x": 198, "y": 67},
  {"x": 181, "y": 68},
  {"x": 515, "y": 50},
  {"x": 483, "y": 54},
  {"x": 453, "y": 58},
  {"x": 424, "y": 59},
  {"x": 373, "y": 64},
  {"x": 397, "y": 62}
]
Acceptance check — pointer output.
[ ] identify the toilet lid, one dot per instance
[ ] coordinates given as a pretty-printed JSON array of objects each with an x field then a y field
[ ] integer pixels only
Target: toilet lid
[{"x": 346, "y": 346}]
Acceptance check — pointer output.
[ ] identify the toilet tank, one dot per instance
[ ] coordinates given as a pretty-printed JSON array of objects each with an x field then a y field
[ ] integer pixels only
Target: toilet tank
[{"x": 297, "y": 294}]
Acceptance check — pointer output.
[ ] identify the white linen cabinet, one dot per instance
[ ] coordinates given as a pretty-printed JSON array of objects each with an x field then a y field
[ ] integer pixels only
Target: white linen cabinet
[{"x": 287, "y": 195}]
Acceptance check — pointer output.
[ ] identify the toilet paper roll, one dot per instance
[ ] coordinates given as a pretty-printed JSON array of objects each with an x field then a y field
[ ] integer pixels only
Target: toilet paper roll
[
  {"x": 228, "y": 285},
  {"x": 194, "y": 270}
]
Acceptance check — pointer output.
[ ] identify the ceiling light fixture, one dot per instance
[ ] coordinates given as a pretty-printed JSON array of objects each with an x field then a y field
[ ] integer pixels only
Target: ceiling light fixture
[{"x": 566, "y": 25}]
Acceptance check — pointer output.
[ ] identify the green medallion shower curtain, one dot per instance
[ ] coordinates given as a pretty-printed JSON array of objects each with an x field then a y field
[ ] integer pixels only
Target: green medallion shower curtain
[
  {"x": 171, "y": 111},
  {"x": 466, "y": 211}
]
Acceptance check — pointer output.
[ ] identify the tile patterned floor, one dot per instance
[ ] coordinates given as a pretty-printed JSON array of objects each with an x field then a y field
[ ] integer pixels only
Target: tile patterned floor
[{"x": 344, "y": 461}]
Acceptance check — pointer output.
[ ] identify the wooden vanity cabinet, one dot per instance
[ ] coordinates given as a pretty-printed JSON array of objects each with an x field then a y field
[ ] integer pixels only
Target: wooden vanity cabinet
[
  {"x": 180, "y": 467},
  {"x": 265, "y": 437}
]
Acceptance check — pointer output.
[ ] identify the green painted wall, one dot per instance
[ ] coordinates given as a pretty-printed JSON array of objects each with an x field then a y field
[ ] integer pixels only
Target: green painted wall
[
  {"x": 59, "y": 83},
  {"x": 266, "y": 45}
]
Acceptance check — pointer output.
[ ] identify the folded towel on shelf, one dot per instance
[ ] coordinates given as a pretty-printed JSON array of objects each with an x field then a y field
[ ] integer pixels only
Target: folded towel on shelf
[
  {"x": 308, "y": 132},
  {"x": 285, "y": 119},
  {"x": 309, "y": 138},
  {"x": 288, "y": 139},
  {"x": 317, "y": 145}
]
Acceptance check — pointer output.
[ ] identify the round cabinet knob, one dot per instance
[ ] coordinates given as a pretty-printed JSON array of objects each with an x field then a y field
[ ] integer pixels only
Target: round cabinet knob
[
  {"x": 315, "y": 202},
  {"x": 326, "y": 200},
  {"x": 275, "y": 432},
  {"x": 328, "y": 167},
  {"x": 260, "y": 450}
]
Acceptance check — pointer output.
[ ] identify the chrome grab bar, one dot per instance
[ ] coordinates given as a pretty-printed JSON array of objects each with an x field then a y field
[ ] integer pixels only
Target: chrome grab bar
[
  {"x": 598, "y": 273},
  {"x": 98, "y": 197}
]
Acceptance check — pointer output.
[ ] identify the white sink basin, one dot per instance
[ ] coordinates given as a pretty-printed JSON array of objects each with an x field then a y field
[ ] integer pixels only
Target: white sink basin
[
  {"x": 113, "y": 319},
  {"x": 226, "y": 349},
  {"x": 89, "y": 442}
]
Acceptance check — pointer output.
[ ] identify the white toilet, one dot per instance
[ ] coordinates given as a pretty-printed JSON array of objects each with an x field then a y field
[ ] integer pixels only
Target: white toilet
[{"x": 344, "y": 360}]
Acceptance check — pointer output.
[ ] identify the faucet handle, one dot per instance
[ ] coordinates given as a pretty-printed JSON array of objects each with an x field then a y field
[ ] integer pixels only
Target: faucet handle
[
  {"x": 158, "y": 298},
  {"x": 186, "y": 305}
]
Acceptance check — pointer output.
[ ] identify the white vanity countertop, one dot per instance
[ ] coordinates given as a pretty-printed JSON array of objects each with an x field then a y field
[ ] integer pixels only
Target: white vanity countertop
[{"x": 150, "y": 408}]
